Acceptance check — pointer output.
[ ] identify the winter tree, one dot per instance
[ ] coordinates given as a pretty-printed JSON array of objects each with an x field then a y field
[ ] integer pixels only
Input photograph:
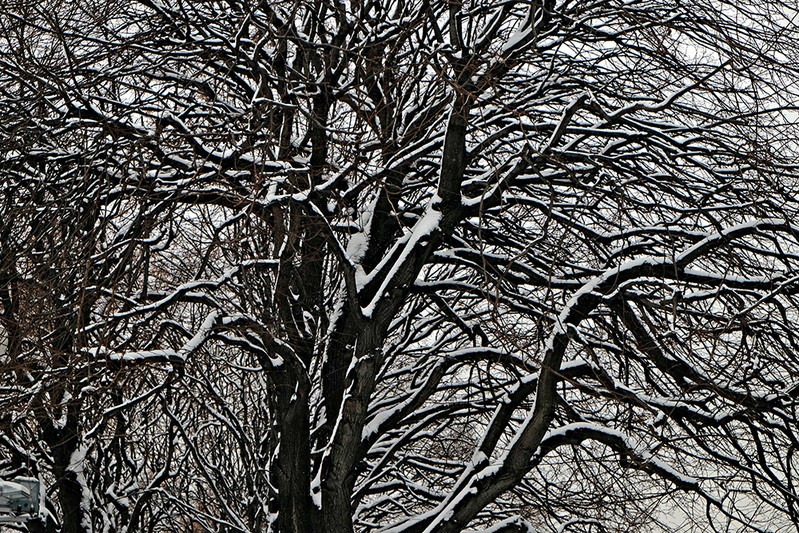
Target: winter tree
[{"x": 401, "y": 266}]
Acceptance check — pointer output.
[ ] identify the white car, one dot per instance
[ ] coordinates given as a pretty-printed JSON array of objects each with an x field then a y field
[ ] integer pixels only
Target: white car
[{"x": 19, "y": 497}]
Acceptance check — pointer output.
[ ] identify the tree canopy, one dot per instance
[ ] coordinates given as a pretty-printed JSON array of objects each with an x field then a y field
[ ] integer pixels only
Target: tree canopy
[{"x": 401, "y": 266}]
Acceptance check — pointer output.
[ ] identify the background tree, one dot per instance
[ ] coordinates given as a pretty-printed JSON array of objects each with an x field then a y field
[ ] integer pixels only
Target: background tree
[{"x": 400, "y": 266}]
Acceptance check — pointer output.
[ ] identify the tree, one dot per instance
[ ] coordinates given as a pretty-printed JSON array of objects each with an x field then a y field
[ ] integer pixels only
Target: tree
[{"x": 400, "y": 266}]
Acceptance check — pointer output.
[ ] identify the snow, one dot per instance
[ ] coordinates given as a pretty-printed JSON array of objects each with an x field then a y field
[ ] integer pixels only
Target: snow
[
  {"x": 359, "y": 245},
  {"x": 62, "y": 420},
  {"x": 316, "y": 490},
  {"x": 143, "y": 355},
  {"x": 516, "y": 38},
  {"x": 520, "y": 524},
  {"x": 683, "y": 479},
  {"x": 166, "y": 355},
  {"x": 565, "y": 314},
  {"x": 76, "y": 465},
  {"x": 202, "y": 334},
  {"x": 422, "y": 229},
  {"x": 122, "y": 231},
  {"x": 732, "y": 232},
  {"x": 629, "y": 443},
  {"x": 8, "y": 488},
  {"x": 373, "y": 426}
]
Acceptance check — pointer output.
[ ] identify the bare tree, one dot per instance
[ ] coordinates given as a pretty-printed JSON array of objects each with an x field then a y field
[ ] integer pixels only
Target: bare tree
[{"x": 401, "y": 266}]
